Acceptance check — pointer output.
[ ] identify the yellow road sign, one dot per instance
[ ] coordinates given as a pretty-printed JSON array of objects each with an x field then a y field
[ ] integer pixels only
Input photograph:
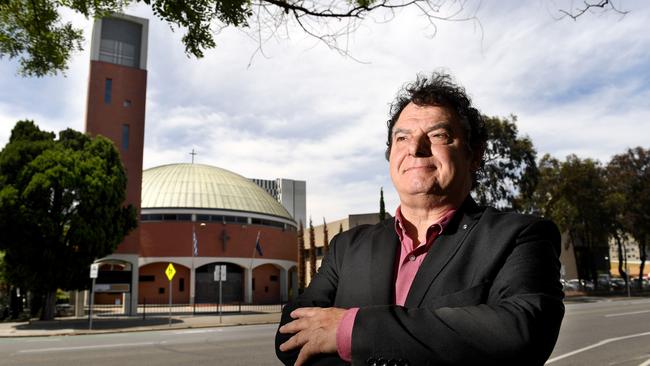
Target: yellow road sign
[{"x": 170, "y": 271}]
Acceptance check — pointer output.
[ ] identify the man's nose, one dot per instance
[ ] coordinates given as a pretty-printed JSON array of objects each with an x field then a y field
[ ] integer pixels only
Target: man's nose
[{"x": 420, "y": 146}]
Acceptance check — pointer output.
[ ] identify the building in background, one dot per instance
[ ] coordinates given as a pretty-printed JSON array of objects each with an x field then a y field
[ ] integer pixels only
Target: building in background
[
  {"x": 192, "y": 215},
  {"x": 333, "y": 228},
  {"x": 292, "y": 194}
]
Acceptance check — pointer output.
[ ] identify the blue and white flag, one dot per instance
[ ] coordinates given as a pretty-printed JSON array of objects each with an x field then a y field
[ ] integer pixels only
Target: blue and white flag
[
  {"x": 195, "y": 244},
  {"x": 258, "y": 246}
]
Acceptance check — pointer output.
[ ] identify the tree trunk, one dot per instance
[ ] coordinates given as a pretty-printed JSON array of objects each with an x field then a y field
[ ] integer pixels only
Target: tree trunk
[
  {"x": 621, "y": 271},
  {"x": 643, "y": 256},
  {"x": 49, "y": 305}
]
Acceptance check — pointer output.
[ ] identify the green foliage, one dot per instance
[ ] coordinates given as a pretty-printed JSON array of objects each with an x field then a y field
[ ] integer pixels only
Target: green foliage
[
  {"x": 628, "y": 176},
  {"x": 33, "y": 32},
  {"x": 575, "y": 194},
  {"x": 509, "y": 175},
  {"x": 61, "y": 206}
]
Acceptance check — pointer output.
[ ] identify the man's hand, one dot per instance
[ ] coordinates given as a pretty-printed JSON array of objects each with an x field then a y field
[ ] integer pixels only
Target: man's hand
[{"x": 315, "y": 331}]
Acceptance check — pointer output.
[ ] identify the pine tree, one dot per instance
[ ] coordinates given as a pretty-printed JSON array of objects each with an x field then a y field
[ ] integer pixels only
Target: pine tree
[
  {"x": 326, "y": 241},
  {"x": 301, "y": 258},
  {"x": 340, "y": 228},
  {"x": 382, "y": 206},
  {"x": 312, "y": 252}
]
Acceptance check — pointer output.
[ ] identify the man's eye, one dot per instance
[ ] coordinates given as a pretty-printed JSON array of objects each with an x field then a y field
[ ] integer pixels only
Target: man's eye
[
  {"x": 440, "y": 137},
  {"x": 400, "y": 138}
]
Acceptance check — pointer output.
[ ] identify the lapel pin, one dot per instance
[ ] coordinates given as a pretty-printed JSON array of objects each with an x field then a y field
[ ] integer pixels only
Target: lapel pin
[{"x": 465, "y": 227}]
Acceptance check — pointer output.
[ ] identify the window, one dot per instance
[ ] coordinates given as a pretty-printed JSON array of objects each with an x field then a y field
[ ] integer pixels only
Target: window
[
  {"x": 108, "y": 90},
  {"x": 273, "y": 278},
  {"x": 147, "y": 278},
  {"x": 125, "y": 137},
  {"x": 181, "y": 285},
  {"x": 161, "y": 290}
]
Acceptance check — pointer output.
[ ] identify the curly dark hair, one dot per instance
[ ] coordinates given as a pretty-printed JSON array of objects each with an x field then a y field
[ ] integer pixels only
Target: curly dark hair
[{"x": 439, "y": 90}]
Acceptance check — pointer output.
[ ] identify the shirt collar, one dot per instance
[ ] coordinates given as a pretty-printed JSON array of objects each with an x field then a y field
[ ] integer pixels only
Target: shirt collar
[{"x": 440, "y": 224}]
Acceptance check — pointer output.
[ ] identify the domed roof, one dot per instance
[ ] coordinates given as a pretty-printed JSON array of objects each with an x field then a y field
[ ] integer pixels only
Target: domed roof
[{"x": 205, "y": 186}]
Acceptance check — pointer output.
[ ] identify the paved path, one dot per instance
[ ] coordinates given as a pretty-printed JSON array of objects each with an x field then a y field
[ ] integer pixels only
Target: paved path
[{"x": 75, "y": 326}]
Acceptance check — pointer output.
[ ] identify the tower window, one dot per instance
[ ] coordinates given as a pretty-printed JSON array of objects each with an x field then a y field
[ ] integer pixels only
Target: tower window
[
  {"x": 108, "y": 89},
  {"x": 125, "y": 137}
]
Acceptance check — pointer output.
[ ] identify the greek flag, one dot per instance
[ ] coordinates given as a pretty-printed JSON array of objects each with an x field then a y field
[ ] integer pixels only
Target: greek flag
[
  {"x": 258, "y": 247},
  {"x": 195, "y": 244}
]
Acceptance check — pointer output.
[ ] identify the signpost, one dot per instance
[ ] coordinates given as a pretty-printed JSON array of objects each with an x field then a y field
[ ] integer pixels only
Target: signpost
[
  {"x": 94, "y": 270},
  {"x": 170, "y": 272},
  {"x": 220, "y": 275}
]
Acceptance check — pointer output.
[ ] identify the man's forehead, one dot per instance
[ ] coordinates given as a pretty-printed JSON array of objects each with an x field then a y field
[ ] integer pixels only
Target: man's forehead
[{"x": 424, "y": 114}]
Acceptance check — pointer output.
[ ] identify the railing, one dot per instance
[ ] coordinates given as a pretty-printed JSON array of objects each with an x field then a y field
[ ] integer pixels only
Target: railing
[{"x": 146, "y": 309}]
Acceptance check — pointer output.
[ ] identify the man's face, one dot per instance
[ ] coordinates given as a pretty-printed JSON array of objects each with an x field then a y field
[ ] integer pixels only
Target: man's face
[{"x": 428, "y": 156}]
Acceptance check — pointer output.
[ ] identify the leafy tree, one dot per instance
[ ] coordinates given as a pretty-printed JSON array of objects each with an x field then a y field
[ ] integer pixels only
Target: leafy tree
[
  {"x": 573, "y": 193},
  {"x": 326, "y": 239},
  {"x": 33, "y": 31},
  {"x": 629, "y": 176},
  {"x": 61, "y": 207},
  {"x": 509, "y": 175},
  {"x": 382, "y": 205}
]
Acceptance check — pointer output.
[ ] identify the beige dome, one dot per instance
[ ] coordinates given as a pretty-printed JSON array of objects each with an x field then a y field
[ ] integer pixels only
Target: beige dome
[{"x": 206, "y": 187}]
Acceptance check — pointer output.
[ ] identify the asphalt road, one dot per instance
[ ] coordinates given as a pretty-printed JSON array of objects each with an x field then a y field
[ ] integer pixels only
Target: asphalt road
[
  {"x": 241, "y": 345},
  {"x": 604, "y": 333},
  {"x": 601, "y": 333}
]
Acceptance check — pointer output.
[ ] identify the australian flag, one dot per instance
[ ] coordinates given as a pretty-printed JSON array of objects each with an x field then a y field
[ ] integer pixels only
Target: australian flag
[{"x": 258, "y": 246}]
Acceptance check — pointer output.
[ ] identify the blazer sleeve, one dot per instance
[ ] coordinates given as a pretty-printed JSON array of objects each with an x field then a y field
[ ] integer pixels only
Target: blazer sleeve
[
  {"x": 320, "y": 293},
  {"x": 518, "y": 324}
]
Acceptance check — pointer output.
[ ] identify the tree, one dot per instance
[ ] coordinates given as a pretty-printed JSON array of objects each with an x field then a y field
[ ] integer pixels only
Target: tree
[
  {"x": 301, "y": 258},
  {"x": 382, "y": 205},
  {"x": 326, "y": 239},
  {"x": 61, "y": 207},
  {"x": 312, "y": 251},
  {"x": 629, "y": 176},
  {"x": 509, "y": 175},
  {"x": 573, "y": 193}
]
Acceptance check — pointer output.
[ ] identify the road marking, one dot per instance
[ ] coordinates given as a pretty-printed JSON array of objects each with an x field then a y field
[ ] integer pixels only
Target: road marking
[
  {"x": 196, "y": 331},
  {"x": 647, "y": 363},
  {"x": 630, "y": 313},
  {"x": 81, "y": 348},
  {"x": 601, "y": 343}
]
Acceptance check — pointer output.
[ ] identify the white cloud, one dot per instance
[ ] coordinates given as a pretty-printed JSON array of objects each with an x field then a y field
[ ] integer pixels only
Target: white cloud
[{"x": 305, "y": 112}]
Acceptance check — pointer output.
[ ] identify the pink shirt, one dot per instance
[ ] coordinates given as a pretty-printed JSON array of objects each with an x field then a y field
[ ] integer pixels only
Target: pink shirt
[{"x": 407, "y": 265}]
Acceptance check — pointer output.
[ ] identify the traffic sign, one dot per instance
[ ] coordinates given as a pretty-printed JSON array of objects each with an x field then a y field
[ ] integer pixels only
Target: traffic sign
[
  {"x": 220, "y": 273},
  {"x": 94, "y": 268},
  {"x": 170, "y": 271}
]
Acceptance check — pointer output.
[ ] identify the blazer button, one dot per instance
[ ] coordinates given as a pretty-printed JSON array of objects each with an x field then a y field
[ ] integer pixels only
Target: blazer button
[{"x": 371, "y": 361}]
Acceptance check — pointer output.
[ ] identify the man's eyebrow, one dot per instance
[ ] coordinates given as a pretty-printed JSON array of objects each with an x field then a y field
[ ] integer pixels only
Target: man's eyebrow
[{"x": 439, "y": 125}]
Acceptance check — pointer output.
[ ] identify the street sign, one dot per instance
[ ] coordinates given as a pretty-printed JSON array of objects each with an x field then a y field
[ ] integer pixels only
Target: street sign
[
  {"x": 170, "y": 272},
  {"x": 220, "y": 273},
  {"x": 94, "y": 268}
]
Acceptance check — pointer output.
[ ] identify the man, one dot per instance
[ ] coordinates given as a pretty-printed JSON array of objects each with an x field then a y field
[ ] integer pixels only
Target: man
[{"x": 443, "y": 283}]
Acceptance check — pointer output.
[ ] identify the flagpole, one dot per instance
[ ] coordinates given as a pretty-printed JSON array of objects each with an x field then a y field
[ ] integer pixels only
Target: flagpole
[{"x": 254, "y": 250}]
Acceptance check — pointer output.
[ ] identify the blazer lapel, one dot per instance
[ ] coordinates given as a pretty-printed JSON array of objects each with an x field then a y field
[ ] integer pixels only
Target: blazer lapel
[
  {"x": 442, "y": 251},
  {"x": 382, "y": 264}
]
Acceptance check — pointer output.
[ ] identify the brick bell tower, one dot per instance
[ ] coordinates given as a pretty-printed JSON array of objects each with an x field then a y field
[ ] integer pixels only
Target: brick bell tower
[{"x": 117, "y": 89}]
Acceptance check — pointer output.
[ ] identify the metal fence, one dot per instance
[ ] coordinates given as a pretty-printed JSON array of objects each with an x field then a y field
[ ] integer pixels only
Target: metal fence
[{"x": 145, "y": 309}]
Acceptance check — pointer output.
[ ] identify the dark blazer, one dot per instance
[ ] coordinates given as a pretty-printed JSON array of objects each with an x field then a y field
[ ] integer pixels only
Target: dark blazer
[{"x": 488, "y": 292}]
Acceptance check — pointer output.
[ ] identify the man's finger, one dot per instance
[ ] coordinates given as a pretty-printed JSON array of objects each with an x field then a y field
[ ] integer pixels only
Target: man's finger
[
  {"x": 304, "y": 312},
  {"x": 295, "y": 326},
  {"x": 298, "y": 340},
  {"x": 304, "y": 354}
]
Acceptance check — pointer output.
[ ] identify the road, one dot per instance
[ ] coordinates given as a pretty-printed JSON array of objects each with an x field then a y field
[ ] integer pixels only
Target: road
[
  {"x": 241, "y": 345},
  {"x": 600, "y": 333},
  {"x": 604, "y": 333}
]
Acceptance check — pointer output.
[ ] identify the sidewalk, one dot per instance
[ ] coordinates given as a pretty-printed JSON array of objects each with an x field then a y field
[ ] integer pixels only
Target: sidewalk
[{"x": 79, "y": 326}]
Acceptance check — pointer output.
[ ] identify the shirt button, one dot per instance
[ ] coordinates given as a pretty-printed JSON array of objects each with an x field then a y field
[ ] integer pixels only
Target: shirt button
[{"x": 412, "y": 257}]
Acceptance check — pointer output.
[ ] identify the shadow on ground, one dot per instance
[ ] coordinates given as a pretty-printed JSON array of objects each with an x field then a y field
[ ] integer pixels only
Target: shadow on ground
[{"x": 98, "y": 324}]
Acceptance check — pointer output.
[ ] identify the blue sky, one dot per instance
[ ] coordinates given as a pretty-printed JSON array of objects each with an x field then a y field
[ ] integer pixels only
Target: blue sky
[{"x": 303, "y": 111}]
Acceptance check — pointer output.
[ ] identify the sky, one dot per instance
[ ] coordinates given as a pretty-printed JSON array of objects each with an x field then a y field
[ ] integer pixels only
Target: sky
[{"x": 300, "y": 110}]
